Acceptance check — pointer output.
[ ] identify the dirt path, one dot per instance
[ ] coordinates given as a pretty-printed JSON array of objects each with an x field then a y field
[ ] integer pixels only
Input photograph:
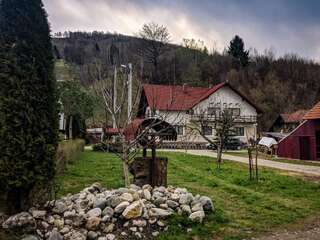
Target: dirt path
[
  {"x": 312, "y": 234},
  {"x": 306, "y": 230},
  {"x": 304, "y": 169}
]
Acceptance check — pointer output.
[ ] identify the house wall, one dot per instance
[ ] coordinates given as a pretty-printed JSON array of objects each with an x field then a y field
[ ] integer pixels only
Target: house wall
[
  {"x": 226, "y": 97},
  {"x": 289, "y": 147}
]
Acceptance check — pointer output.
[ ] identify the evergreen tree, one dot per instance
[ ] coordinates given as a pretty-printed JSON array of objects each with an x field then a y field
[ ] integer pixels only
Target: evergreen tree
[
  {"x": 28, "y": 102},
  {"x": 237, "y": 51}
]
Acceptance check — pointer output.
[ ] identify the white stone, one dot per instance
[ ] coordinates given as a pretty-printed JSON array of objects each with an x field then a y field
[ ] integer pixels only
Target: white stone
[
  {"x": 146, "y": 194},
  {"x": 197, "y": 216},
  {"x": 121, "y": 207},
  {"x": 158, "y": 212},
  {"x": 95, "y": 212},
  {"x": 139, "y": 223},
  {"x": 127, "y": 197}
]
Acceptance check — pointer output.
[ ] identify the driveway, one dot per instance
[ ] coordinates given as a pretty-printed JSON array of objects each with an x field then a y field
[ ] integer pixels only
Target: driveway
[{"x": 304, "y": 169}]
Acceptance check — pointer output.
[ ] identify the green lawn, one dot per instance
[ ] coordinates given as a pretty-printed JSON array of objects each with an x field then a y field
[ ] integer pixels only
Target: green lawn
[{"x": 243, "y": 208}]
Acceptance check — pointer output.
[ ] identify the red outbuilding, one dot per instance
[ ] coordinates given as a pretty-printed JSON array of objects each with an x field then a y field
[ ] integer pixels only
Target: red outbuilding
[{"x": 304, "y": 141}]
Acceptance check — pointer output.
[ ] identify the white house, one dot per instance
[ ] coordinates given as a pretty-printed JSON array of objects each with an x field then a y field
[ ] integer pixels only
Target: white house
[{"x": 183, "y": 105}]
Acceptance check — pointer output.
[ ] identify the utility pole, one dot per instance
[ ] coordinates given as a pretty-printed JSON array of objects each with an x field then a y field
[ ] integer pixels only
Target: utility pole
[
  {"x": 114, "y": 125},
  {"x": 130, "y": 92}
]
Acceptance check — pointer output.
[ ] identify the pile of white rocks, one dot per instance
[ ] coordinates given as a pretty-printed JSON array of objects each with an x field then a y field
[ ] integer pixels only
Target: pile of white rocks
[{"x": 124, "y": 213}]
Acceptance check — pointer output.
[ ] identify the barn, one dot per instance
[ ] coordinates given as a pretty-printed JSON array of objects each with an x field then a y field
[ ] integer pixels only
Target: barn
[{"x": 304, "y": 141}]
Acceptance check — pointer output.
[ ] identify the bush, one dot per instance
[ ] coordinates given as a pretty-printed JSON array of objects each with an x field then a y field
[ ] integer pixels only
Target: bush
[
  {"x": 28, "y": 102},
  {"x": 108, "y": 147},
  {"x": 68, "y": 152}
]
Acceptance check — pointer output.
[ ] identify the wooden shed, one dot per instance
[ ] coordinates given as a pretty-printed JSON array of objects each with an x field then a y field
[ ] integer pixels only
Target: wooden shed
[{"x": 304, "y": 141}]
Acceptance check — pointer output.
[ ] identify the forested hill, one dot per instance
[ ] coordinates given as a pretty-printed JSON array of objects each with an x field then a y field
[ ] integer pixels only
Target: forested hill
[{"x": 276, "y": 85}]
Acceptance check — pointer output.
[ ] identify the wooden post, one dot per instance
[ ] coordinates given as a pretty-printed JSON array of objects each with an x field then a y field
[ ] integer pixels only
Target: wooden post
[
  {"x": 257, "y": 175},
  {"x": 144, "y": 152},
  {"x": 153, "y": 171},
  {"x": 250, "y": 162}
]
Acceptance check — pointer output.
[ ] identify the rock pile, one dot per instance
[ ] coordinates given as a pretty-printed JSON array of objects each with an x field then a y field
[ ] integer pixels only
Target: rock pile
[{"x": 124, "y": 213}]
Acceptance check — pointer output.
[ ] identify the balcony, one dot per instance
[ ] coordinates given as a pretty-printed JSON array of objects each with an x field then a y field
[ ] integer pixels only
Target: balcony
[{"x": 212, "y": 118}]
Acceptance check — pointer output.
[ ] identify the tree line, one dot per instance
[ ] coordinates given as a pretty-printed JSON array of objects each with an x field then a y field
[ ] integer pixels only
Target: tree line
[{"x": 276, "y": 85}]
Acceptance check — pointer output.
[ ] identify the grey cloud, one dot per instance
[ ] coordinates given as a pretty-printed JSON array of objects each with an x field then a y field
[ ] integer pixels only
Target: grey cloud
[{"x": 286, "y": 25}]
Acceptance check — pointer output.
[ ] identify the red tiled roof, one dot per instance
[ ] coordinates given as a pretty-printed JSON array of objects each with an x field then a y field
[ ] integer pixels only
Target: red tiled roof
[
  {"x": 166, "y": 97},
  {"x": 294, "y": 117},
  {"x": 177, "y": 98},
  {"x": 314, "y": 113}
]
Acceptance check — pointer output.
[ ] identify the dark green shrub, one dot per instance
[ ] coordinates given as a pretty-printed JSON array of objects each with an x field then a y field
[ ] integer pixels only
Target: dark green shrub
[
  {"x": 28, "y": 101},
  {"x": 108, "y": 147}
]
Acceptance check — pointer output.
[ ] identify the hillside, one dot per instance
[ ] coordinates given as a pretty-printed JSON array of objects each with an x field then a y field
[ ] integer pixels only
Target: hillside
[{"x": 277, "y": 85}]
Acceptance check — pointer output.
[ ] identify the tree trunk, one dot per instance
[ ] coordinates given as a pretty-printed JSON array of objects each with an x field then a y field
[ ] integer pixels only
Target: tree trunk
[
  {"x": 219, "y": 155},
  {"x": 70, "y": 127},
  {"x": 219, "y": 152},
  {"x": 125, "y": 165},
  {"x": 16, "y": 200}
]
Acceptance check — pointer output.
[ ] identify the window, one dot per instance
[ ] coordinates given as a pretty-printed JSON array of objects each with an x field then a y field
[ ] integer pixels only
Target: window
[
  {"x": 214, "y": 111},
  {"x": 239, "y": 131},
  {"x": 234, "y": 111},
  {"x": 207, "y": 130},
  {"x": 179, "y": 129},
  {"x": 191, "y": 112}
]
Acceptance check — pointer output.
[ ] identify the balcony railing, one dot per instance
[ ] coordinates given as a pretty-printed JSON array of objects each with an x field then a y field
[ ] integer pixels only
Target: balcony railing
[{"x": 208, "y": 117}]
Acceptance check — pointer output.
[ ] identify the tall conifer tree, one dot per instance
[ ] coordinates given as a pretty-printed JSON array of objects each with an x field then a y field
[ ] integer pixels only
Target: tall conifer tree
[
  {"x": 237, "y": 51},
  {"x": 28, "y": 103}
]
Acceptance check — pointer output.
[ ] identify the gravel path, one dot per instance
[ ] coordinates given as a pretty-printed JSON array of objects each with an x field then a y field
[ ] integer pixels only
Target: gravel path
[
  {"x": 307, "y": 230},
  {"x": 311, "y": 234},
  {"x": 305, "y": 169}
]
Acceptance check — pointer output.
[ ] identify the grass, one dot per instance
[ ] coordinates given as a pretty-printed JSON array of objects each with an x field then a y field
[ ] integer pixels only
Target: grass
[
  {"x": 243, "y": 208},
  {"x": 268, "y": 157}
]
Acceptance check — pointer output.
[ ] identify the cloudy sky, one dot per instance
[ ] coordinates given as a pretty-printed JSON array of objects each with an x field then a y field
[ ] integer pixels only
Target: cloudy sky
[{"x": 285, "y": 26}]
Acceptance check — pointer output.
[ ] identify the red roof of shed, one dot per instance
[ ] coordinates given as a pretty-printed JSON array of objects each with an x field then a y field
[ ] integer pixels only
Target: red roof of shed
[
  {"x": 294, "y": 117},
  {"x": 177, "y": 98},
  {"x": 314, "y": 113}
]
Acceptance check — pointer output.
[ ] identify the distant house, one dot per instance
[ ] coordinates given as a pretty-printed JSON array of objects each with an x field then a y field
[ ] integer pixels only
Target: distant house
[
  {"x": 179, "y": 105},
  {"x": 286, "y": 122},
  {"x": 304, "y": 141}
]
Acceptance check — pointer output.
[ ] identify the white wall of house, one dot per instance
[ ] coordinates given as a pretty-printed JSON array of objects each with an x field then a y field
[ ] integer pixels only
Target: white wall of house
[{"x": 225, "y": 98}]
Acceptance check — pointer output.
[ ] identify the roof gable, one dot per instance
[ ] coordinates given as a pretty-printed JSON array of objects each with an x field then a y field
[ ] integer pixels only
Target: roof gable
[
  {"x": 182, "y": 98},
  {"x": 314, "y": 113}
]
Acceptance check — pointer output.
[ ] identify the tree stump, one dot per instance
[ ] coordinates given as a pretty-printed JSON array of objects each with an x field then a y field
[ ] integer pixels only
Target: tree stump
[{"x": 148, "y": 170}]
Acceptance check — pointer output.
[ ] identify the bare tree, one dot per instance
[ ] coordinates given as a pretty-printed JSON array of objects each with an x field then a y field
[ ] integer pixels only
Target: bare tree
[
  {"x": 222, "y": 122},
  {"x": 155, "y": 38},
  {"x": 116, "y": 101},
  {"x": 253, "y": 166}
]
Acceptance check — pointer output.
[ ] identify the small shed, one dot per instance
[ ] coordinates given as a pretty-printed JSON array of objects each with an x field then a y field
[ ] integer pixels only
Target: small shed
[
  {"x": 149, "y": 133},
  {"x": 304, "y": 141},
  {"x": 286, "y": 122}
]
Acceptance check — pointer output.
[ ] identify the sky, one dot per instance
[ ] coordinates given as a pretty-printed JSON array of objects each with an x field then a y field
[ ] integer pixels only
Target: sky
[{"x": 283, "y": 26}]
